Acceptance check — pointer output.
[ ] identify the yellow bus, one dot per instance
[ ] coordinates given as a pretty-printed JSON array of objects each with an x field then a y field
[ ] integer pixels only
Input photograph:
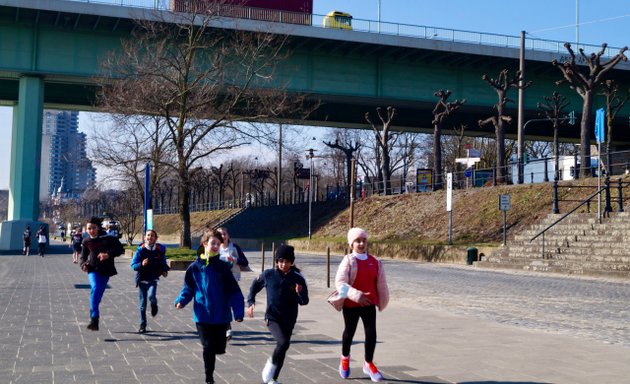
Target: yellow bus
[{"x": 336, "y": 19}]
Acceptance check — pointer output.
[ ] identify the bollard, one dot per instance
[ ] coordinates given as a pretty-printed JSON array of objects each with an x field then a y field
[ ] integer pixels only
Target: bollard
[
  {"x": 328, "y": 267},
  {"x": 607, "y": 207},
  {"x": 262, "y": 263},
  {"x": 620, "y": 196}
]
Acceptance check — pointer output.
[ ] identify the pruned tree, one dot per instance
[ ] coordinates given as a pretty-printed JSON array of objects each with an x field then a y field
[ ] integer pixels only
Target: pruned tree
[
  {"x": 385, "y": 140},
  {"x": 348, "y": 149},
  {"x": 585, "y": 82},
  {"x": 614, "y": 103},
  {"x": 502, "y": 85},
  {"x": 203, "y": 81},
  {"x": 553, "y": 109},
  {"x": 441, "y": 112}
]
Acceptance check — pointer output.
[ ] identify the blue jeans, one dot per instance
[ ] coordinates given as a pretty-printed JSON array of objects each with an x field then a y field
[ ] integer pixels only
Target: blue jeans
[
  {"x": 98, "y": 283},
  {"x": 150, "y": 290}
]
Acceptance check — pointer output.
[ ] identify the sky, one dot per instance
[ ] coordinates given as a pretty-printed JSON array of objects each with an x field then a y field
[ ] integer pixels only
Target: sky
[{"x": 593, "y": 21}]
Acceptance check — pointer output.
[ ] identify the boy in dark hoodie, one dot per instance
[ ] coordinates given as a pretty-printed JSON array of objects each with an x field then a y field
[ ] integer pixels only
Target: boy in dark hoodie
[
  {"x": 149, "y": 262},
  {"x": 286, "y": 289},
  {"x": 97, "y": 259},
  {"x": 210, "y": 283}
]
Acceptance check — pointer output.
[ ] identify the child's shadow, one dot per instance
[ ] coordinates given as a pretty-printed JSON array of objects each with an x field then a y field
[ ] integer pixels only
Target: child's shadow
[{"x": 158, "y": 336}]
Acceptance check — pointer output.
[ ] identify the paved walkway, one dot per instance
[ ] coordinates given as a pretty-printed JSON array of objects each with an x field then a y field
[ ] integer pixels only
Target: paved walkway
[{"x": 430, "y": 333}]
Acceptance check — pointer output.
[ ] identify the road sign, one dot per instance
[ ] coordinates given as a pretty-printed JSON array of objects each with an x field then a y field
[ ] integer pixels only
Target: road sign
[
  {"x": 468, "y": 172},
  {"x": 449, "y": 191},
  {"x": 504, "y": 202}
]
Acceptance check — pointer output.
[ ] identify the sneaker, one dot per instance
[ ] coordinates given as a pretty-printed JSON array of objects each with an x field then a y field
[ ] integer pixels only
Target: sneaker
[
  {"x": 370, "y": 369},
  {"x": 344, "y": 367},
  {"x": 93, "y": 326},
  {"x": 228, "y": 334},
  {"x": 274, "y": 382},
  {"x": 142, "y": 329},
  {"x": 268, "y": 371},
  {"x": 154, "y": 309}
]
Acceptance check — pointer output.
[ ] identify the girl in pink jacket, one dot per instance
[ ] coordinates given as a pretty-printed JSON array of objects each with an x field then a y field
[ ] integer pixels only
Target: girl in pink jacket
[{"x": 361, "y": 282}]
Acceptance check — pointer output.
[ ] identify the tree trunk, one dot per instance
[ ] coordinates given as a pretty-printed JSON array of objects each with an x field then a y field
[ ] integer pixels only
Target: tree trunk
[
  {"x": 349, "y": 180},
  {"x": 387, "y": 182},
  {"x": 585, "y": 135},
  {"x": 184, "y": 209},
  {"x": 437, "y": 155}
]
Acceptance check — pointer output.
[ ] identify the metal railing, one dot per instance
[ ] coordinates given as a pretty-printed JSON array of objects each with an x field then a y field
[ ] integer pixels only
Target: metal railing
[{"x": 388, "y": 28}]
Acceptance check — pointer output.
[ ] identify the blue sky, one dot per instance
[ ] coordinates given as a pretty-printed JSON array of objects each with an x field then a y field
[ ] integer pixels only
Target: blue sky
[{"x": 543, "y": 19}]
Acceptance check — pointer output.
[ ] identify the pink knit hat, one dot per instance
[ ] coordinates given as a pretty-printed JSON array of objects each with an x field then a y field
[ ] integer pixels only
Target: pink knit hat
[{"x": 355, "y": 233}]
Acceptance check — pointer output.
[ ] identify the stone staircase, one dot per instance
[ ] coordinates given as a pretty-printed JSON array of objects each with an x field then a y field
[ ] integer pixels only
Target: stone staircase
[{"x": 577, "y": 245}]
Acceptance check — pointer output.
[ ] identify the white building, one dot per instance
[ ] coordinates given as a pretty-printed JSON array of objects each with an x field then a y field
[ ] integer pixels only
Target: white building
[{"x": 534, "y": 170}]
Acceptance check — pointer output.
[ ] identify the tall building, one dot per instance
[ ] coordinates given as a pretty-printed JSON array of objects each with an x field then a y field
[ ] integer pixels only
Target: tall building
[{"x": 64, "y": 156}]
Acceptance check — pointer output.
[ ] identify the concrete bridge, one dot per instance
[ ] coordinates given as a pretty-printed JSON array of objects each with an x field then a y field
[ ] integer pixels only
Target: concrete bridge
[{"x": 50, "y": 53}]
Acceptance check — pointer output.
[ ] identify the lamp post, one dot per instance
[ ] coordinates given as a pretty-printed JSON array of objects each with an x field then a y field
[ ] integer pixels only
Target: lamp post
[
  {"x": 379, "y": 16},
  {"x": 310, "y": 156}
]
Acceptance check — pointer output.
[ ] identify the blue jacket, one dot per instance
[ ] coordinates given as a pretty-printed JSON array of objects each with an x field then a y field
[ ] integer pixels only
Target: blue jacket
[
  {"x": 282, "y": 300},
  {"x": 214, "y": 290},
  {"x": 156, "y": 265}
]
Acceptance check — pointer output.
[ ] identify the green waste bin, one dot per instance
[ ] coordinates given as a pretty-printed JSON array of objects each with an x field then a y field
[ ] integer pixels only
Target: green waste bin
[{"x": 472, "y": 255}]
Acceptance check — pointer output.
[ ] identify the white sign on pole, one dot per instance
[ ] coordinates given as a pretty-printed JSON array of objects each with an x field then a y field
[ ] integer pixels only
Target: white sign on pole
[
  {"x": 449, "y": 191},
  {"x": 149, "y": 219},
  {"x": 504, "y": 202}
]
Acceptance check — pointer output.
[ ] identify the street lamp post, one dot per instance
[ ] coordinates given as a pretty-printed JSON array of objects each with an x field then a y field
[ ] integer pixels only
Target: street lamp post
[{"x": 310, "y": 156}]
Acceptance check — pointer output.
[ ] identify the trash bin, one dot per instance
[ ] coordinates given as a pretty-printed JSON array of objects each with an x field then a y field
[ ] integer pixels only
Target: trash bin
[{"x": 471, "y": 253}]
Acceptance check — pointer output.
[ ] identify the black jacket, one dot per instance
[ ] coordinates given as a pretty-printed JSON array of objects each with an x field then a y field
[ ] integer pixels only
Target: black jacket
[
  {"x": 282, "y": 300},
  {"x": 91, "y": 249}
]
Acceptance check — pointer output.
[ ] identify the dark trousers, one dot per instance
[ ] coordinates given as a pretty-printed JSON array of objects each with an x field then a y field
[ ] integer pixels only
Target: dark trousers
[
  {"x": 41, "y": 248},
  {"x": 351, "y": 318},
  {"x": 213, "y": 341},
  {"x": 282, "y": 334}
]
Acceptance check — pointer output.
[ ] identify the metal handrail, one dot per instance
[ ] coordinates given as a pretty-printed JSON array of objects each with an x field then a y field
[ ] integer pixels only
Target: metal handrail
[
  {"x": 406, "y": 30},
  {"x": 562, "y": 218}
]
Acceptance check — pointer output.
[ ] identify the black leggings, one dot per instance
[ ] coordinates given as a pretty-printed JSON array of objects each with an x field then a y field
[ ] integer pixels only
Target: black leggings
[
  {"x": 351, "y": 320},
  {"x": 213, "y": 341},
  {"x": 282, "y": 334}
]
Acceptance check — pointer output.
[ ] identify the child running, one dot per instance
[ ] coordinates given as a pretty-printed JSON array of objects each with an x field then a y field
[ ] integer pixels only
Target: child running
[
  {"x": 97, "y": 259},
  {"x": 362, "y": 287},
  {"x": 286, "y": 288},
  {"x": 210, "y": 283},
  {"x": 149, "y": 262}
]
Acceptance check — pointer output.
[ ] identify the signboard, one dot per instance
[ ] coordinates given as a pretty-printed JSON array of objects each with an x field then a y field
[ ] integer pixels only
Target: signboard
[
  {"x": 303, "y": 173},
  {"x": 149, "y": 219},
  {"x": 504, "y": 202},
  {"x": 449, "y": 192},
  {"x": 424, "y": 180},
  {"x": 468, "y": 172}
]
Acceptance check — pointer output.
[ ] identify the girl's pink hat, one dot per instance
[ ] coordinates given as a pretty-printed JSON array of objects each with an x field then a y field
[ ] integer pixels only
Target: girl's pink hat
[{"x": 355, "y": 233}]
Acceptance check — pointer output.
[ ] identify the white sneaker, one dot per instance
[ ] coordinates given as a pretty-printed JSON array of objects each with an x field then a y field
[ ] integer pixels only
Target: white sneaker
[
  {"x": 268, "y": 372},
  {"x": 228, "y": 335}
]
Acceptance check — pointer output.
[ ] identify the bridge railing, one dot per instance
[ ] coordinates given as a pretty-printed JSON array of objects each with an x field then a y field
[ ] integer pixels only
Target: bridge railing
[{"x": 388, "y": 28}]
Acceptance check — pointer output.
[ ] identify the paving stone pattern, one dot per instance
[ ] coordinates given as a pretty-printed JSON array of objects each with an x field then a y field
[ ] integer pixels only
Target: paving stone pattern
[{"x": 446, "y": 324}]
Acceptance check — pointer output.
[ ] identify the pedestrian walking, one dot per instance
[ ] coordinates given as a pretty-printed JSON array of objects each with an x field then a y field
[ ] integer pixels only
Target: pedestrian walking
[
  {"x": 75, "y": 242},
  {"x": 361, "y": 283},
  {"x": 209, "y": 282},
  {"x": 42, "y": 238},
  {"x": 26, "y": 239},
  {"x": 63, "y": 235},
  {"x": 97, "y": 259},
  {"x": 149, "y": 262},
  {"x": 233, "y": 255},
  {"x": 286, "y": 289}
]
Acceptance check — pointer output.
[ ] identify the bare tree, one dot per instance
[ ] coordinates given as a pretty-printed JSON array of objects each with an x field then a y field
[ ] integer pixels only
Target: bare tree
[
  {"x": 385, "y": 139},
  {"x": 614, "y": 103},
  {"x": 348, "y": 149},
  {"x": 585, "y": 83},
  {"x": 553, "y": 109},
  {"x": 202, "y": 81},
  {"x": 502, "y": 85},
  {"x": 441, "y": 112}
]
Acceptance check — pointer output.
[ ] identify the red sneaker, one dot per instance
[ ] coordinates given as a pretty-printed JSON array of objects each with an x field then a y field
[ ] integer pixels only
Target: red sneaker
[
  {"x": 344, "y": 367},
  {"x": 370, "y": 369}
]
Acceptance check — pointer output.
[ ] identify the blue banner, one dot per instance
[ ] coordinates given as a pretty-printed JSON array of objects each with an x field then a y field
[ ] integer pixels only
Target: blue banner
[{"x": 600, "y": 125}]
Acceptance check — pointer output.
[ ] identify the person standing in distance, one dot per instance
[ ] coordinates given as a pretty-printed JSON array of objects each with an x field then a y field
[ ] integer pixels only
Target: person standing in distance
[
  {"x": 286, "y": 289},
  {"x": 26, "y": 238},
  {"x": 97, "y": 260},
  {"x": 361, "y": 283}
]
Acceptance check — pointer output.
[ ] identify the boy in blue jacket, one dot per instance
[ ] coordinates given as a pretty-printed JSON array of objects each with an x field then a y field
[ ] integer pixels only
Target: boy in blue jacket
[
  {"x": 149, "y": 262},
  {"x": 210, "y": 283},
  {"x": 286, "y": 289}
]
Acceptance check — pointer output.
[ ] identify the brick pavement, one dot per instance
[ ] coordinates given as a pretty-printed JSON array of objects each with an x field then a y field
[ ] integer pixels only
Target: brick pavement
[{"x": 44, "y": 309}]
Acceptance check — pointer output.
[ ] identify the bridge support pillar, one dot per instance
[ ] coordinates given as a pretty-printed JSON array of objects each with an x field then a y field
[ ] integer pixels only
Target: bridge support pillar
[{"x": 26, "y": 148}]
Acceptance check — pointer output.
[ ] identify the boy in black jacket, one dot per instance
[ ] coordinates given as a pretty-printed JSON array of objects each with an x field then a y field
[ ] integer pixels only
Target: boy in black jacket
[
  {"x": 286, "y": 289},
  {"x": 97, "y": 259}
]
